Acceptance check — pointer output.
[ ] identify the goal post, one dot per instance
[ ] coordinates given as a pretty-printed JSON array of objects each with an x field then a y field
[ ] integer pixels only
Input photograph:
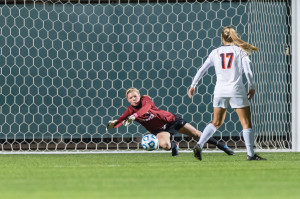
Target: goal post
[
  {"x": 270, "y": 30},
  {"x": 296, "y": 74},
  {"x": 65, "y": 66}
]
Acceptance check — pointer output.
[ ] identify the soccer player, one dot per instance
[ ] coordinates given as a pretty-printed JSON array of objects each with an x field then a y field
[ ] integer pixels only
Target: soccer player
[
  {"x": 229, "y": 61},
  {"x": 161, "y": 123}
]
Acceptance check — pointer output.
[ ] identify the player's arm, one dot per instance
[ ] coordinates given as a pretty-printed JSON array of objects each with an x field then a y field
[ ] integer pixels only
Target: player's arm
[
  {"x": 207, "y": 64},
  {"x": 249, "y": 76},
  {"x": 116, "y": 123},
  {"x": 146, "y": 104}
]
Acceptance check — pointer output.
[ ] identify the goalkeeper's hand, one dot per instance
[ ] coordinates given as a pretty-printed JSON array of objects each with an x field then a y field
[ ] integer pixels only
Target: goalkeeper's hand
[
  {"x": 130, "y": 119},
  {"x": 111, "y": 124}
]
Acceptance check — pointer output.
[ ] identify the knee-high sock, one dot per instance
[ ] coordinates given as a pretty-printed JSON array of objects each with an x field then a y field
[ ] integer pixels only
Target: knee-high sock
[
  {"x": 173, "y": 144},
  {"x": 207, "y": 133},
  {"x": 248, "y": 136}
]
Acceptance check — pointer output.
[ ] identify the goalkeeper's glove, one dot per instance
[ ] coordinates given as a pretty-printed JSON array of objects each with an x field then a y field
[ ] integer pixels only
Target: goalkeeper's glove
[
  {"x": 130, "y": 119},
  {"x": 111, "y": 124}
]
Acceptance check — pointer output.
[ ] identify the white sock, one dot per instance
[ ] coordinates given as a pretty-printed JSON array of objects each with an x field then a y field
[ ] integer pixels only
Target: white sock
[
  {"x": 249, "y": 141},
  {"x": 207, "y": 133}
]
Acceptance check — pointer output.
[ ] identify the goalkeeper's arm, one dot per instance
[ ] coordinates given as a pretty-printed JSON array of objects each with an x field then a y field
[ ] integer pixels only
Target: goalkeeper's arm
[
  {"x": 130, "y": 119},
  {"x": 146, "y": 106},
  {"x": 116, "y": 123}
]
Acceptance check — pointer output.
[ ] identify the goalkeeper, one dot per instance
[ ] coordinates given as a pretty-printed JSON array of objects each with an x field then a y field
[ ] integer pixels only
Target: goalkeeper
[{"x": 161, "y": 123}]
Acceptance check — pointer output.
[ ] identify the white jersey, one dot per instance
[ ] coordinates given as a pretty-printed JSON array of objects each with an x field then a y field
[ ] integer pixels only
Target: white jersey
[{"x": 230, "y": 62}]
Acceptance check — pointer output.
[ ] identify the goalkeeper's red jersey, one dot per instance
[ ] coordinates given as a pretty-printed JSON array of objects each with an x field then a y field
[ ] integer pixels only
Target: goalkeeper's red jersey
[{"x": 152, "y": 118}]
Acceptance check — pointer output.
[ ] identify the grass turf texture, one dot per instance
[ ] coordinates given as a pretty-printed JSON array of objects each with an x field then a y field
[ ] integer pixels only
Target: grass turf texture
[{"x": 153, "y": 175}]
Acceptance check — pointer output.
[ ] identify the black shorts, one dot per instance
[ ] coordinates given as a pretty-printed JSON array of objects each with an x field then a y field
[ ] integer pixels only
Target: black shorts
[{"x": 172, "y": 127}]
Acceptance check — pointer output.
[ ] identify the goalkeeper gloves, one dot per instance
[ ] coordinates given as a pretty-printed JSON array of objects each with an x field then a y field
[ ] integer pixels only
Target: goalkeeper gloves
[
  {"x": 130, "y": 119},
  {"x": 111, "y": 124}
]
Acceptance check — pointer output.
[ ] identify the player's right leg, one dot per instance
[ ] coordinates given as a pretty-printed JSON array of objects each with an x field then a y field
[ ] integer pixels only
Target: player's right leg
[
  {"x": 164, "y": 139},
  {"x": 255, "y": 157},
  {"x": 244, "y": 114}
]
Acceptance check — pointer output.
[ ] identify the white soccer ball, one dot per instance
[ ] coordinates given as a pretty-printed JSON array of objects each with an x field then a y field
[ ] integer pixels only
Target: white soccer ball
[{"x": 150, "y": 142}]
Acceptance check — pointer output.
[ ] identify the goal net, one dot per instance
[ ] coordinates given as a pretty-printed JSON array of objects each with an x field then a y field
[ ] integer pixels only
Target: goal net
[{"x": 65, "y": 66}]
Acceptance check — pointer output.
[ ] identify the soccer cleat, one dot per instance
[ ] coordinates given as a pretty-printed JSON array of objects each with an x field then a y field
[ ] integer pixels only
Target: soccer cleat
[
  {"x": 255, "y": 157},
  {"x": 197, "y": 152},
  {"x": 228, "y": 150},
  {"x": 175, "y": 150}
]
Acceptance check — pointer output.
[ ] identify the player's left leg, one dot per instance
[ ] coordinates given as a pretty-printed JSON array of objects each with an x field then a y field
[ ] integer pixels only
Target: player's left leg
[
  {"x": 210, "y": 129},
  {"x": 248, "y": 134}
]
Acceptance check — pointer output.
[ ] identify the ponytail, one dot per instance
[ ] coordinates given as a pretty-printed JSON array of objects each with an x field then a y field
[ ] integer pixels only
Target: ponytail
[{"x": 229, "y": 35}]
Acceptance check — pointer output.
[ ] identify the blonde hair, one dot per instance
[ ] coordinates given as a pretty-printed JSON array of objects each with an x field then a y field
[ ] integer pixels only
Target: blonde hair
[
  {"x": 229, "y": 35},
  {"x": 132, "y": 89}
]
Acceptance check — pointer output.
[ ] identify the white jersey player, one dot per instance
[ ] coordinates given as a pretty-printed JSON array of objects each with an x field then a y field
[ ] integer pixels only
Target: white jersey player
[{"x": 230, "y": 62}]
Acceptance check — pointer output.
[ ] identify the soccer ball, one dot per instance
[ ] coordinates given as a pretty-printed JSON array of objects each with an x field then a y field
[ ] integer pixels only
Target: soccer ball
[{"x": 150, "y": 142}]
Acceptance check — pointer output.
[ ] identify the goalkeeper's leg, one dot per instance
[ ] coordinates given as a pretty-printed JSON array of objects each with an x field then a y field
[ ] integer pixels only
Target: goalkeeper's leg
[
  {"x": 222, "y": 146},
  {"x": 165, "y": 142},
  {"x": 189, "y": 130}
]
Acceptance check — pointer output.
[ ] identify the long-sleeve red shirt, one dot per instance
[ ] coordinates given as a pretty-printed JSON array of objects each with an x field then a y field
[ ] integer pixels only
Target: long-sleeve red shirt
[{"x": 149, "y": 115}]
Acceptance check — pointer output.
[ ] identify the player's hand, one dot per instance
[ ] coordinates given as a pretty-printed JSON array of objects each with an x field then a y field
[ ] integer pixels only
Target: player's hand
[
  {"x": 130, "y": 119},
  {"x": 251, "y": 94},
  {"x": 191, "y": 92},
  {"x": 111, "y": 124}
]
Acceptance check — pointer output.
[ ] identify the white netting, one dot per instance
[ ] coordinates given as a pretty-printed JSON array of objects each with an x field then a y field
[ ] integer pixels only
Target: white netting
[
  {"x": 65, "y": 66},
  {"x": 270, "y": 30}
]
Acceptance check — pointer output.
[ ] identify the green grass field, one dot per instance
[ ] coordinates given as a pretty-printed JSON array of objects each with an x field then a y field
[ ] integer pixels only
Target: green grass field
[{"x": 153, "y": 175}]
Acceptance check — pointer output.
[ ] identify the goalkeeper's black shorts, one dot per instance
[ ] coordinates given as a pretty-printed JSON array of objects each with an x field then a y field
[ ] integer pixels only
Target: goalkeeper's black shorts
[{"x": 172, "y": 127}]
